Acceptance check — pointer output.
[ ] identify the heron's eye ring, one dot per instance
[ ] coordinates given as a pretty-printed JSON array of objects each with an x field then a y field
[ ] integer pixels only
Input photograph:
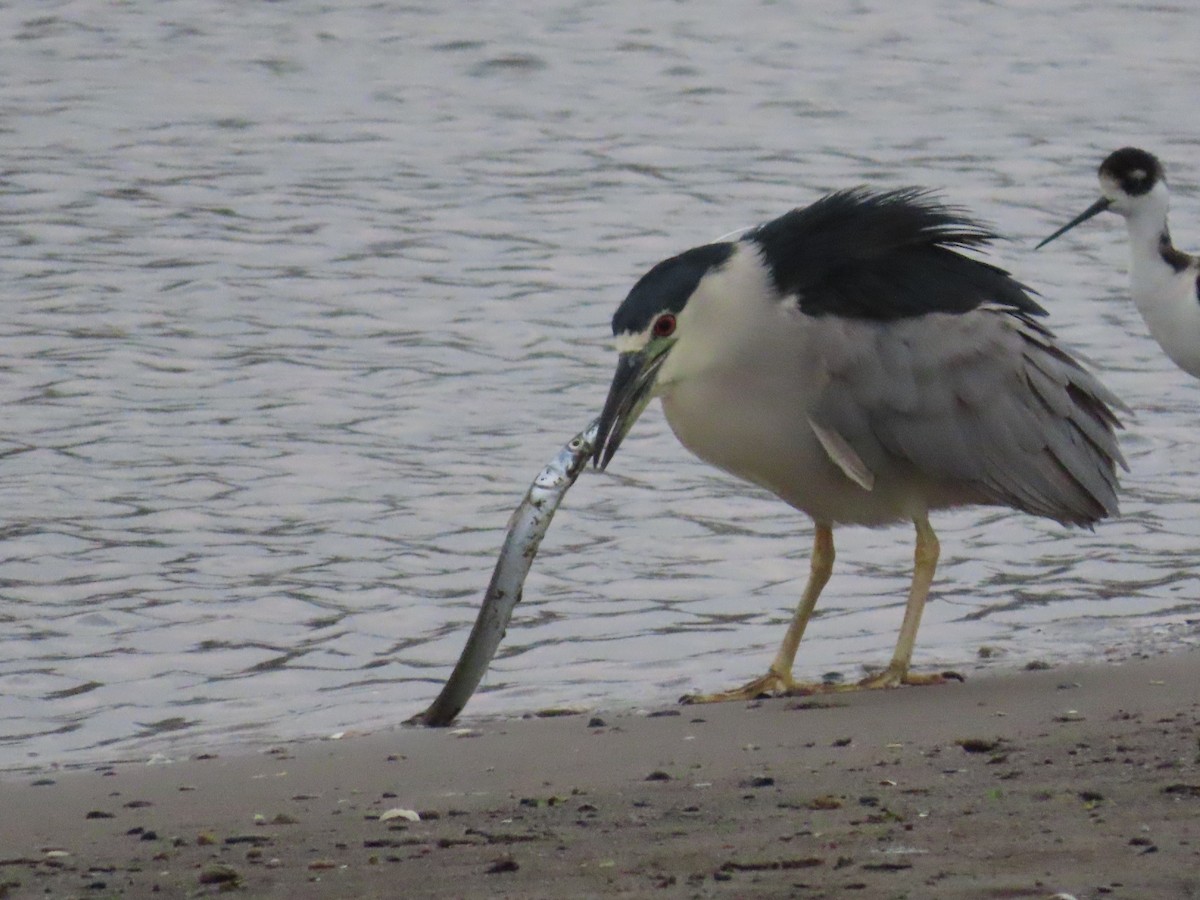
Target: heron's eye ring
[{"x": 664, "y": 326}]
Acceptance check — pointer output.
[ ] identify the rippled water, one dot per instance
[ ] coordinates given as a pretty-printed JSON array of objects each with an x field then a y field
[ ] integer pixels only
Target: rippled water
[{"x": 301, "y": 295}]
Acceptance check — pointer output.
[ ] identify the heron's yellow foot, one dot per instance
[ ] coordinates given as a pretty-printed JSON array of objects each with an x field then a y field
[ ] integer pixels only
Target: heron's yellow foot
[
  {"x": 770, "y": 685},
  {"x": 890, "y": 678}
]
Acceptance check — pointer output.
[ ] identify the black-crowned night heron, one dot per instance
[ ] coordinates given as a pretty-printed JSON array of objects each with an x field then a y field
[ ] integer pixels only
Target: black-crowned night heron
[
  {"x": 1164, "y": 281},
  {"x": 847, "y": 358}
]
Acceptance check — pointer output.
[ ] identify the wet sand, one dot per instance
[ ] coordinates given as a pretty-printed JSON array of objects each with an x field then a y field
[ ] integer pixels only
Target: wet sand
[{"x": 1080, "y": 781}]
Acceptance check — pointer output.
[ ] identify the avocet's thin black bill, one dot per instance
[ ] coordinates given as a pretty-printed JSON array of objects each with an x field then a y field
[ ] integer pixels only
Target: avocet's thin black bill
[{"x": 1094, "y": 210}]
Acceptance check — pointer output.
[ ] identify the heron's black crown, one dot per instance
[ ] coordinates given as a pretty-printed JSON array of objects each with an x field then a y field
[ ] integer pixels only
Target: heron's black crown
[
  {"x": 853, "y": 254},
  {"x": 668, "y": 286},
  {"x": 1135, "y": 171}
]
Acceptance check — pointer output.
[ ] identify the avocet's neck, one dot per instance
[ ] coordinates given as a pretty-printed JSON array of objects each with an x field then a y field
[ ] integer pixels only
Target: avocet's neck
[
  {"x": 1163, "y": 281},
  {"x": 1146, "y": 217}
]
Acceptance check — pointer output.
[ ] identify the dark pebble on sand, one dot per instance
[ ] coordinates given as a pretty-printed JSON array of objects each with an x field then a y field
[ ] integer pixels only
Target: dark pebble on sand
[
  {"x": 218, "y": 873},
  {"x": 978, "y": 745},
  {"x": 504, "y": 864},
  {"x": 1184, "y": 790}
]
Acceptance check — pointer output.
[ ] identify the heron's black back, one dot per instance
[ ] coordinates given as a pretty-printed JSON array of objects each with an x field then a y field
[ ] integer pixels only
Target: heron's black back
[{"x": 884, "y": 256}]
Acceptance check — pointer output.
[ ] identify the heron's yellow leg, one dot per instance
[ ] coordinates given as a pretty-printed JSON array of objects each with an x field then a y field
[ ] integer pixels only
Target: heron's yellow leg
[
  {"x": 925, "y": 560},
  {"x": 821, "y": 567},
  {"x": 778, "y": 679}
]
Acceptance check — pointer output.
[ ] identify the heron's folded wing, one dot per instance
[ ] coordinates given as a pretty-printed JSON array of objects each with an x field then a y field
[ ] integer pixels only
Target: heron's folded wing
[{"x": 986, "y": 398}]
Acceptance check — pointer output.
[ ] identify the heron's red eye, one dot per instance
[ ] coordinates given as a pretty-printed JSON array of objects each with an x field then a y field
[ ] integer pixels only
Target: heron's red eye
[{"x": 664, "y": 326}]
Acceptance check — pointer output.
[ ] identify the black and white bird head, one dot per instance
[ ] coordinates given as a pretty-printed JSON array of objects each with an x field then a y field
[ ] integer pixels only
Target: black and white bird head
[
  {"x": 853, "y": 254},
  {"x": 1132, "y": 184}
]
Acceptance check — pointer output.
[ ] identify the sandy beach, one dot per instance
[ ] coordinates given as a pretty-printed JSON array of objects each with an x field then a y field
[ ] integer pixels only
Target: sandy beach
[{"x": 1072, "y": 781}]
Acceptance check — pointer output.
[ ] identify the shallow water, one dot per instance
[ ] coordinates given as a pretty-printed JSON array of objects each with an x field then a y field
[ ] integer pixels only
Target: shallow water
[{"x": 302, "y": 295}]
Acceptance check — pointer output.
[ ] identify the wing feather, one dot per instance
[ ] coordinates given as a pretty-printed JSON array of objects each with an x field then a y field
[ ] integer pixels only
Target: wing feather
[{"x": 985, "y": 398}]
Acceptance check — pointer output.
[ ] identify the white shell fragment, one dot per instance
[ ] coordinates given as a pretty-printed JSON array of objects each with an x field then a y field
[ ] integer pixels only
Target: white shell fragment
[{"x": 410, "y": 815}]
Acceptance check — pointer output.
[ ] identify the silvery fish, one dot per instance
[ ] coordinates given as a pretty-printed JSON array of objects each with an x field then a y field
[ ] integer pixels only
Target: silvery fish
[{"x": 526, "y": 528}]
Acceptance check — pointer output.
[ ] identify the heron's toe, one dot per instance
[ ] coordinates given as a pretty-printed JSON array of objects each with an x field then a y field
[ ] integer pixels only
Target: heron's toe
[
  {"x": 892, "y": 677},
  {"x": 770, "y": 685}
]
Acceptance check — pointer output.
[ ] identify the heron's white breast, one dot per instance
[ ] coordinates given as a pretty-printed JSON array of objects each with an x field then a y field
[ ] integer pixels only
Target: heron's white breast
[{"x": 750, "y": 417}]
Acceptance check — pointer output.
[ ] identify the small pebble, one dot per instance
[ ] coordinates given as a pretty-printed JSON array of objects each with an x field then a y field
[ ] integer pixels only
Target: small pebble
[
  {"x": 829, "y": 801},
  {"x": 219, "y": 873},
  {"x": 978, "y": 745}
]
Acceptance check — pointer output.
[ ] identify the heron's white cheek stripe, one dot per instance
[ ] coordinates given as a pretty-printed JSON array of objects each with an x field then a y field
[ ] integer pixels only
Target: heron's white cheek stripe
[{"x": 630, "y": 342}]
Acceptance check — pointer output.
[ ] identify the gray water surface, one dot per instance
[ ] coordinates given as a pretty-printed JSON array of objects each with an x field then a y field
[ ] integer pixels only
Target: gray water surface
[{"x": 301, "y": 295}]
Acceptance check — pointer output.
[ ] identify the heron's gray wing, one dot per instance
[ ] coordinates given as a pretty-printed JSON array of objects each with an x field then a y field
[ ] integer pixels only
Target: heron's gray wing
[{"x": 985, "y": 399}]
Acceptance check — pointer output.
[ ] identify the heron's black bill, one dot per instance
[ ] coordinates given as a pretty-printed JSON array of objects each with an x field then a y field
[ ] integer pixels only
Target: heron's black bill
[
  {"x": 1094, "y": 210},
  {"x": 627, "y": 397}
]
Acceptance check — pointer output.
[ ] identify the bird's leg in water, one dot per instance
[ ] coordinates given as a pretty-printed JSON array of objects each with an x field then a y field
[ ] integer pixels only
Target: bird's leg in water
[
  {"x": 925, "y": 560},
  {"x": 778, "y": 679}
]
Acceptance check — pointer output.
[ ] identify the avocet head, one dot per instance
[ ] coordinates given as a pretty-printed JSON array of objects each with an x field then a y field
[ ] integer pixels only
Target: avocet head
[
  {"x": 1128, "y": 176},
  {"x": 1132, "y": 182}
]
